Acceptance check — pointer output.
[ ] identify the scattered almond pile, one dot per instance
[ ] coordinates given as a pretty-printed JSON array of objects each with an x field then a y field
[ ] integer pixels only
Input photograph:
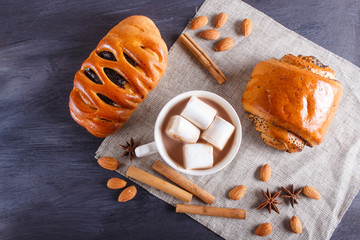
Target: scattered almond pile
[
  {"x": 213, "y": 34},
  {"x": 266, "y": 228},
  {"x": 112, "y": 164},
  {"x": 295, "y": 224},
  {"x": 236, "y": 193}
]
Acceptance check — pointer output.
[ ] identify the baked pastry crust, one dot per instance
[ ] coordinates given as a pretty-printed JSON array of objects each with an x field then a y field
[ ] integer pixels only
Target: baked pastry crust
[
  {"x": 127, "y": 63},
  {"x": 292, "y": 101}
]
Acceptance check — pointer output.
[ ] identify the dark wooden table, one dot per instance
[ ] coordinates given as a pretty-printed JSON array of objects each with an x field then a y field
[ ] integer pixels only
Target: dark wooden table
[{"x": 50, "y": 185}]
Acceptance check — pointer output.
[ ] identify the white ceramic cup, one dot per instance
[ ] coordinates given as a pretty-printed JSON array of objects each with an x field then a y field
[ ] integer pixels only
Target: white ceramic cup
[{"x": 158, "y": 146}]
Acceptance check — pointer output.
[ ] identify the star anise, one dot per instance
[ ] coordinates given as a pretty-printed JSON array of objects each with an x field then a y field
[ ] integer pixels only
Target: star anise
[
  {"x": 129, "y": 148},
  {"x": 292, "y": 194},
  {"x": 270, "y": 201}
]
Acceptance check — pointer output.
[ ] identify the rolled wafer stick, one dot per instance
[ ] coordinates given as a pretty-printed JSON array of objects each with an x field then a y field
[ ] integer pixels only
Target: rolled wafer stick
[
  {"x": 158, "y": 183},
  {"x": 204, "y": 59},
  {"x": 183, "y": 182},
  {"x": 211, "y": 211}
]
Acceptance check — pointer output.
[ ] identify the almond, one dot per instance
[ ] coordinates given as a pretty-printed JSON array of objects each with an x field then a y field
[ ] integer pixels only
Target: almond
[
  {"x": 295, "y": 225},
  {"x": 221, "y": 20},
  {"x": 237, "y": 192},
  {"x": 225, "y": 44},
  {"x": 199, "y": 22},
  {"x": 246, "y": 27},
  {"x": 264, "y": 229},
  {"x": 115, "y": 183},
  {"x": 109, "y": 163},
  {"x": 311, "y": 192},
  {"x": 210, "y": 34},
  {"x": 265, "y": 173},
  {"x": 128, "y": 194}
]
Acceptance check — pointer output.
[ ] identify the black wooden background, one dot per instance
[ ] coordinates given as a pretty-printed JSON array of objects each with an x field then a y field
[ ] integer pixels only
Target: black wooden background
[{"x": 50, "y": 185}]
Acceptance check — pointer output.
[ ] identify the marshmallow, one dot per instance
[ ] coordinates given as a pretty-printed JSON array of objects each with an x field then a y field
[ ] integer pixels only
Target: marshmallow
[
  {"x": 198, "y": 155},
  {"x": 180, "y": 129},
  {"x": 218, "y": 133},
  {"x": 199, "y": 113}
]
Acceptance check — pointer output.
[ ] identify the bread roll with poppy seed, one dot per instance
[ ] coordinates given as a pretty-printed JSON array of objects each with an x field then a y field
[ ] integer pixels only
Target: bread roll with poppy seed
[
  {"x": 125, "y": 66},
  {"x": 292, "y": 101}
]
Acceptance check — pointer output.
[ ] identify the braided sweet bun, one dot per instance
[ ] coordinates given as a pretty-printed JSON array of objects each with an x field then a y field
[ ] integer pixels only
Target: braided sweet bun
[
  {"x": 125, "y": 66},
  {"x": 292, "y": 101}
]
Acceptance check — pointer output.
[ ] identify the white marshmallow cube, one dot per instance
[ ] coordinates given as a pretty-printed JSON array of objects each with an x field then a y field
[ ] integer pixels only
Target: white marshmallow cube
[
  {"x": 218, "y": 133},
  {"x": 198, "y": 155},
  {"x": 180, "y": 129},
  {"x": 199, "y": 113}
]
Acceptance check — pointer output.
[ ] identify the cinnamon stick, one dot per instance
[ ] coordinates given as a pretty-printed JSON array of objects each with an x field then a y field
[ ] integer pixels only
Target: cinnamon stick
[
  {"x": 211, "y": 211},
  {"x": 204, "y": 59},
  {"x": 158, "y": 183},
  {"x": 183, "y": 182}
]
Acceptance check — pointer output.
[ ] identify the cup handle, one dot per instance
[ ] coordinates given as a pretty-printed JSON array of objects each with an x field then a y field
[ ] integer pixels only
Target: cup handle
[{"x": 146, "y": 149}]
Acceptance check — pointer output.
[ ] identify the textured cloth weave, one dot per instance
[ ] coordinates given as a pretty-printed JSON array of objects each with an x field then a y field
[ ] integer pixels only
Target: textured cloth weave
[{"x": 332, "y": 167}]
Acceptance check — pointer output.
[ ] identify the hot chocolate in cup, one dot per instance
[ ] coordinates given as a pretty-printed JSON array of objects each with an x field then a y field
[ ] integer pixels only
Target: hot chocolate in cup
[{"x": 162, "y": 143}]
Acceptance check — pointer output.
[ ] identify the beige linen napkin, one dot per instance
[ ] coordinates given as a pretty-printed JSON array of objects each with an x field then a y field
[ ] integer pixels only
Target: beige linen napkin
[{"x": 332, "y": 167}]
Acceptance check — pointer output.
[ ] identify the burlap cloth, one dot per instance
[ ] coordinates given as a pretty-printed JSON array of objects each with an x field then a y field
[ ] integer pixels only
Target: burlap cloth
[{"x": 332, "y": 167}]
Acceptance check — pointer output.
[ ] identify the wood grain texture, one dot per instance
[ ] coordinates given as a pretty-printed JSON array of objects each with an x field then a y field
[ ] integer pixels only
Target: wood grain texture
[{"x": 51, "y": 186}]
